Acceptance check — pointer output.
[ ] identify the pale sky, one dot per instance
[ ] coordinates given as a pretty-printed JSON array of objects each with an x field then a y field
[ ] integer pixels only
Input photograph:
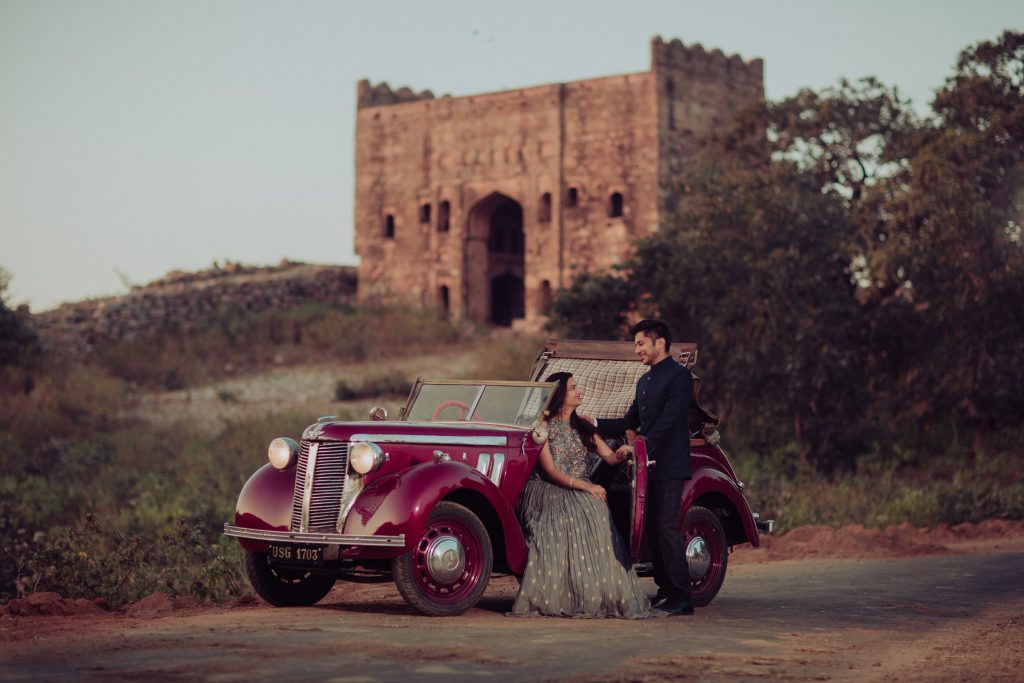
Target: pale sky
[{"x": 143, "y": 136}]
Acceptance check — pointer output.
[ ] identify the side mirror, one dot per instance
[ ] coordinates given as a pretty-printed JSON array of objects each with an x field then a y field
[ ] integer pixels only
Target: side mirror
[{"x": 378, "y": 413}]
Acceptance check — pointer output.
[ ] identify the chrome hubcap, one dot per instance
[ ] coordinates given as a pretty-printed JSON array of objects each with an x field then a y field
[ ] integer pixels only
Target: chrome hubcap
[
  {"x": 446, "y": 559},
  {"x": 698, "y": 558}
]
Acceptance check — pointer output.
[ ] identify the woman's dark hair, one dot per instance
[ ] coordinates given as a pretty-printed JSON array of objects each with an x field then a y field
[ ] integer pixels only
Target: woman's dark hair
[{"x": 582, "y": 427}]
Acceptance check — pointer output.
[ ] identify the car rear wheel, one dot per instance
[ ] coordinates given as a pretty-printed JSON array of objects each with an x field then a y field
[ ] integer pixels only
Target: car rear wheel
[
  {"x": 706, "y": 551},
  {"x": 284, "y": 587},
  {"x": 447, "y": 570}
]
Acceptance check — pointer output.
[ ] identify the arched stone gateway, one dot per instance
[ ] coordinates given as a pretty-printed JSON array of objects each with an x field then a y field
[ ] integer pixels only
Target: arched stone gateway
[{"x": 495, "y": 261}]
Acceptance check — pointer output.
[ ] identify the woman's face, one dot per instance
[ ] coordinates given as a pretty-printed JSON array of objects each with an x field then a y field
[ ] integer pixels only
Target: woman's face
[{"x": 573, "y": 395}]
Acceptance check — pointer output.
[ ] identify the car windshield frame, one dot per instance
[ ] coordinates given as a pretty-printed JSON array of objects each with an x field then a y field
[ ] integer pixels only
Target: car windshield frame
[{"x": 479, "y": 401}]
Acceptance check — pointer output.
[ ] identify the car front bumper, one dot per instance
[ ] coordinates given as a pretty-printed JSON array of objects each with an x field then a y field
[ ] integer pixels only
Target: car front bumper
[{"x": 313, "y": 537}]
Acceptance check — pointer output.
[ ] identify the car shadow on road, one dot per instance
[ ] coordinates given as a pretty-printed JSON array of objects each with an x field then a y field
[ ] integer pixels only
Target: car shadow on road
[{"x": 396, "y": 606}]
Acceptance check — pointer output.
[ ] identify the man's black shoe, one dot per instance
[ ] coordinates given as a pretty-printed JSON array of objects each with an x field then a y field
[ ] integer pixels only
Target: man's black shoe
[
  {"x": 676, "y": 606},
  {"x": 659, "y": 600}
]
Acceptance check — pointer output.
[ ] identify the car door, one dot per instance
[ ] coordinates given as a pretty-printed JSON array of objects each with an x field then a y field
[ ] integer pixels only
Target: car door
[{"x": 638, "y": 484}]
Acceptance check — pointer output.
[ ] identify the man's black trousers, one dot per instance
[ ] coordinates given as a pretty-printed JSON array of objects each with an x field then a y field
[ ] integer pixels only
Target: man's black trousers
[{"x": 671, "y": 573}]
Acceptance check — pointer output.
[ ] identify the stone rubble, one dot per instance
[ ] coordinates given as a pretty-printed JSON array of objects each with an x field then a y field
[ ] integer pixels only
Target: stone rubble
[{"x": 180, "y": 300}]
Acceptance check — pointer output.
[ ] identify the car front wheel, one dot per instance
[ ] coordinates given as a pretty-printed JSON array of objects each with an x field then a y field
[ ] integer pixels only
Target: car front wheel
[
  {"x": 447, "y": 570},
  {"x": 706, "y": 551},
  {"x": 284, "y": 587}
]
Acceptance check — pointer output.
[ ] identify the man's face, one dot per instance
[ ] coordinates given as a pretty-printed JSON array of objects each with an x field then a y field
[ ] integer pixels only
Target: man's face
[{"x": 649, "y": 352}]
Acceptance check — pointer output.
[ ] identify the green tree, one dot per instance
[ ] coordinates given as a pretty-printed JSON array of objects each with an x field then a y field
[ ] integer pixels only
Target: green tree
[
  {"x": 19, "y": 345},
  {"x": 945, "y": 255},
  {"x": 754, "y": 268},
  {"x": 594, "y": 306},
  {"x": 755, "y": 265}
]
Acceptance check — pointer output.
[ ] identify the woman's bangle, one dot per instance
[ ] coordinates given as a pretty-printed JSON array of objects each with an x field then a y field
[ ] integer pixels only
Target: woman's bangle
[{"x": 570, "y": 483}]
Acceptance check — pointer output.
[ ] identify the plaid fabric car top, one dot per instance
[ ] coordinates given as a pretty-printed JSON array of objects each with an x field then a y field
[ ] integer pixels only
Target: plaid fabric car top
[{"x": 608, "y": 386}]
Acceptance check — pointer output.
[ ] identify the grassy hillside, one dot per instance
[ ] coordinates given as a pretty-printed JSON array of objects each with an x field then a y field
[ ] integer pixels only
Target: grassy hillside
[{"x": 107, "y": 493}]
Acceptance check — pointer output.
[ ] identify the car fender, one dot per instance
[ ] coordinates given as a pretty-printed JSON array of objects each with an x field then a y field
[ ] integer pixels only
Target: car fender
[
  {"x": 710, "y": 481},
  {"x": 265, "y": 503},
  {"x": 402, "y": 503}
]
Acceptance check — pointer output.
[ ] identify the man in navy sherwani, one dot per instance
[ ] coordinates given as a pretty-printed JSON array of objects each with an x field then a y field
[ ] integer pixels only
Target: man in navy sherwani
[{"x": 660, "y": 414}]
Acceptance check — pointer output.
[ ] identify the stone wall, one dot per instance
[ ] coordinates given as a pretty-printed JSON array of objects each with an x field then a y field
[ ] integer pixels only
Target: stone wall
[
  {"x": 698, "y": 91},
  {"x": 184, "y": 299},
  {"x": 485, "y": 205}
]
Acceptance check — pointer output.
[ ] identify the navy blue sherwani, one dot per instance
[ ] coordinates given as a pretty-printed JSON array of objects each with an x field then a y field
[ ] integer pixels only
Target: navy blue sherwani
[{"x": 660, "y": 412}]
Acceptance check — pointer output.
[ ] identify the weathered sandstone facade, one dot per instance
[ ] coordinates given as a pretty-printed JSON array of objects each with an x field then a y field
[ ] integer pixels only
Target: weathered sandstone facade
[{"x": 483, "y": 206}]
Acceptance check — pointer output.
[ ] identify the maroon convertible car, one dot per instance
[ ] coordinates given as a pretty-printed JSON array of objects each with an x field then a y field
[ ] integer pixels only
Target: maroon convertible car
[{"x": 430, "y": 497}]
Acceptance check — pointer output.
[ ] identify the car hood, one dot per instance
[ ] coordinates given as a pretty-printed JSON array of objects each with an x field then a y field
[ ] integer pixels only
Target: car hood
[{"x": 416, "y": 432}]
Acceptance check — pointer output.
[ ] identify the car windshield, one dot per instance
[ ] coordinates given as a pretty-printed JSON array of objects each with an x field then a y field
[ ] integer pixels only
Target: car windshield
[{"x": 513, "y": 403}]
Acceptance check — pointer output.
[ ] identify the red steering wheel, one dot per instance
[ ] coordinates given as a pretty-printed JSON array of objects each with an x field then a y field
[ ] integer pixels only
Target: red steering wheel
[{"x": 463, "y": 408}]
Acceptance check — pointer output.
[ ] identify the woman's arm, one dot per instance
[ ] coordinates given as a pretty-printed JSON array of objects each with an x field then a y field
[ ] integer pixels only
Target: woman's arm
[
  {"x": 547, "y": 463},
  {"x": 607, "y": 454}
]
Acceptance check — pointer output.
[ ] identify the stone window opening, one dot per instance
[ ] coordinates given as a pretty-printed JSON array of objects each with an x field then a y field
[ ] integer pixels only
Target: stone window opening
[
  {"x": 670, "y": 91},
  {"x": 545, "y": 297},
  {"x": 572, "y": 198},
  {"x": 544, "y": 211},
  {"x": 389, "y": 227},
  {"x": 615, "y": 205},
  {"x": 443, "y": 211},
  {"x": 443, "y": 303},
  {"x": 425, "y": 214}
]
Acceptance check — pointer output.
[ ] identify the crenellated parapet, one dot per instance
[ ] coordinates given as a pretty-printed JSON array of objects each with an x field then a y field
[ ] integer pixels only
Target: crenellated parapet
[
  {"x": 371, "y": 95},
  {"x": 696, "y": 62}
]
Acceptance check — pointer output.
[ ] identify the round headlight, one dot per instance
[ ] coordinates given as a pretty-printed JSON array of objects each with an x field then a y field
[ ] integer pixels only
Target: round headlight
[
  {"x": 282, "y": 452},
  {"x": 365, "y": 457}
]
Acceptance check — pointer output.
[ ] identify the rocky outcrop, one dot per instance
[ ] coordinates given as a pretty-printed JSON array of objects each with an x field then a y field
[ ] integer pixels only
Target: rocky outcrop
[{"x": 181, "y": 300}]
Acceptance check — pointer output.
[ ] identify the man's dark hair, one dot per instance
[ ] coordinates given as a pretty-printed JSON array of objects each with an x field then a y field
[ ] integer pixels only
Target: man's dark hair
[{"x": 653, "y": 329}]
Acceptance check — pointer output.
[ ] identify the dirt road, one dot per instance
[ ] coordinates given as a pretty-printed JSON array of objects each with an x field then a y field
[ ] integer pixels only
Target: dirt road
[{"x": 931, "y": 618}]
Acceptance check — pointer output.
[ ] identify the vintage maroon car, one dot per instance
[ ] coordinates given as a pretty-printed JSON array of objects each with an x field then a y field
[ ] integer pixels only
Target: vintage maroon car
[{"x": 431, "y": 497}]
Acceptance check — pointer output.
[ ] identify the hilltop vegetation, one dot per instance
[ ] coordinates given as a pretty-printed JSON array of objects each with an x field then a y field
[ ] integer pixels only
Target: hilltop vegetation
[
  {"x": 853, "y": 272},
  {"x": 97, "y": 501}
]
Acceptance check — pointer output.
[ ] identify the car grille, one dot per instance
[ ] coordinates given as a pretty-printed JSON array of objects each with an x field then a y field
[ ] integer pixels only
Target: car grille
[{"x": 326, "y": 484}]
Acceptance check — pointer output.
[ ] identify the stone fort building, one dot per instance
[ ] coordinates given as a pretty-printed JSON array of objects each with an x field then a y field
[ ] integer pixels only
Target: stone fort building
[{"x": 483, "y": 206}]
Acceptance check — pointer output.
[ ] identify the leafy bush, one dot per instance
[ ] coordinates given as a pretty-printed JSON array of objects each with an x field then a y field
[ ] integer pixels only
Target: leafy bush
[
  {"x": 949, "y": 489},
  {"x": 511, "y": 359},
  {"x": 392, "y": 384},
  {"x": 120, "y": 510},
  {"x": 19, "y": 345},
  {"x": 92, "y": 560}
]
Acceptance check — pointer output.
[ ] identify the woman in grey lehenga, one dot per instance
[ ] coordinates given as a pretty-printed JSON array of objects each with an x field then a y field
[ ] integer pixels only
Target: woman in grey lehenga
[{"x": 578, "y": 565}]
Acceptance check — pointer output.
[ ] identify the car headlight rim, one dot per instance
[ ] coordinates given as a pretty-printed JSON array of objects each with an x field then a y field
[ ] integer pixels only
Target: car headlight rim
[
  {"x": 364, "y": 457},
  {"x": 283, "y": 452}
]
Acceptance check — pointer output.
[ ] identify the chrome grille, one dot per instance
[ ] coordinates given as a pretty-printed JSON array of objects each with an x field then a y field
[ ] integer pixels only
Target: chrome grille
[{"x": 325, "y": 484}]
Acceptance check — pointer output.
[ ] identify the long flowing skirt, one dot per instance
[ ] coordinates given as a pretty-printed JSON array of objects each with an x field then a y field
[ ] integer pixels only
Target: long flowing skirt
[{"x": 578, "y": 565}]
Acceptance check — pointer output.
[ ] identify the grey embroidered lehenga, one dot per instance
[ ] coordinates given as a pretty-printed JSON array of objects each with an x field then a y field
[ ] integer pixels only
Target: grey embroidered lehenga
[{"x": 578, "y": 565}]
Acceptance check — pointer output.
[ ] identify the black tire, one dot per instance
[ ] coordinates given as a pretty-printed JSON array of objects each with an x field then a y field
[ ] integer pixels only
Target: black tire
[
  {"x": 701, "y": 523},
  {"x": 450, "y": 525},
  {"x": 284, "y": 587}
]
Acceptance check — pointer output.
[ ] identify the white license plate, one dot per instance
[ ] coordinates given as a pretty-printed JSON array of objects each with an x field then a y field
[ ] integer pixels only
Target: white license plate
[{"x": 300, "y": 554}]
